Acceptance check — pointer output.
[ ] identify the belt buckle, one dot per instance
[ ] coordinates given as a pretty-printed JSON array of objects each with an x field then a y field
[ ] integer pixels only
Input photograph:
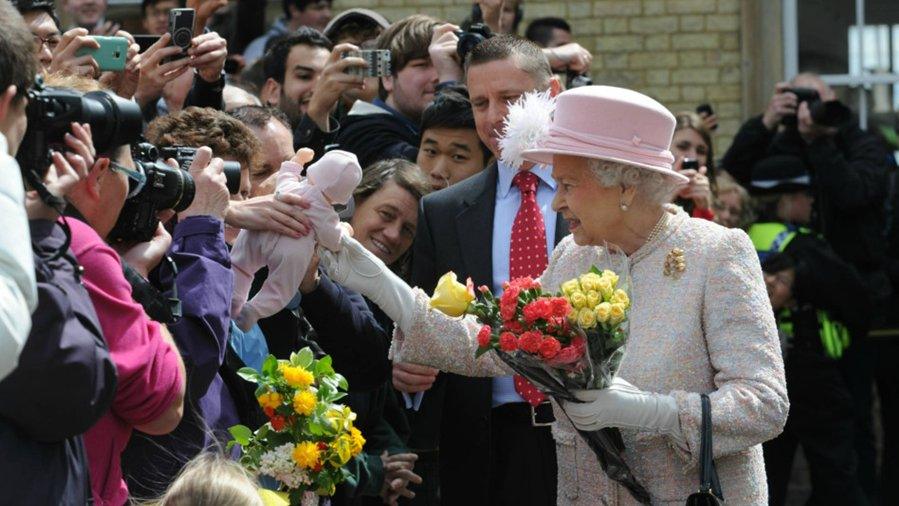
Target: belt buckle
[{"x": 534, "y": 421}]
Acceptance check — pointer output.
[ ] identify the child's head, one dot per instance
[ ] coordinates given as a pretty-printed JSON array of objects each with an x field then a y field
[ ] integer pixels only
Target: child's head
[
  {"x": 779, "y": 272},
  {"x": 336, "y": 174},
  {"x": 450, "y": 149},
  {"x": 211, "y": 479}
]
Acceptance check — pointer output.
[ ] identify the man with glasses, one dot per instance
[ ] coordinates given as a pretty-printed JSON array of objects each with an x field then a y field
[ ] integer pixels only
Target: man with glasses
[{"x": 54, "y": 50}]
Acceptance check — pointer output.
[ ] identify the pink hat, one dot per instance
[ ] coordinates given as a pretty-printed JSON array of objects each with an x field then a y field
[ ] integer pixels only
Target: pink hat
[
  {"x": 336, "y": 173},
  {"x": 609, "y": 123}
]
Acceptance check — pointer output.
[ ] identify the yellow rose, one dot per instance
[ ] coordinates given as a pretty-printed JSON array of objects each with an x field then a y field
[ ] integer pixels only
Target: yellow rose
[
  {"x": 451, "y": 297},
  {"x": 269, "y": 400},
  {"x": 589, "y": 281},
  {"x": 570, "y": 287},
  {"x": 616, "y": 315},
  {"x": 306, "y": 454},
  {"x": 593, "y": 298},
  {"x": 612, "y": 277},
  {"x": 577, "y": 299},
  {"x": 586, "y": 318},
  {"x": 605, "y": 288},
  {"x": 304, "y": 402},
  {"x": 620, "y": 297},
  {"x": 603, "y": 311},
  {"x": 297, "y": 377},
  {"x": 358, "y": 440}
]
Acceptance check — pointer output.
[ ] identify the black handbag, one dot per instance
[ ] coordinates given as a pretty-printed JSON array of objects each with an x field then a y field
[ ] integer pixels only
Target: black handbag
[{"x": 709, "y": 487}]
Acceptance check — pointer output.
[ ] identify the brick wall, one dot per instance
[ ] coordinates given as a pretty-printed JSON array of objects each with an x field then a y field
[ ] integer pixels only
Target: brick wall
[{"x": 681, "y": 52}]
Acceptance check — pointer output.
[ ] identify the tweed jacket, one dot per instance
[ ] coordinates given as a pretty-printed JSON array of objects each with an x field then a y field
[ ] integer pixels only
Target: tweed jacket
[{"x": 708, "y": 329}]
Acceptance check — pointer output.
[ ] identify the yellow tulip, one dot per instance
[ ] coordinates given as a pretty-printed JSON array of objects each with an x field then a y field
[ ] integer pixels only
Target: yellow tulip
[
  {"x": 586, "y": 318},
  {"x": 617, "y": 314},
  {"x": 451, "y": 297},
  {"x": 603, "y": 311}
]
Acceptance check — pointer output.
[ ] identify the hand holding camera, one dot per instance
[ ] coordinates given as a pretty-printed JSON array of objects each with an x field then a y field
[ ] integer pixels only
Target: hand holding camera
[
  {"x": 812, "y": 126},
  {"x": 444, "y": 53},
  {"x": 208, "y": 53},
  {"x": 211, "y": 197},
  {"x": 698, "y": 189},
  {"x": 783, "y": 103},
  {"x": 64, "y": 172},
  {"x": 572, "y": 57},
  {"x": 154, "y": 74},
  {"x": 124, "y": 82},
  {"x": 335, "y": 80},
  {"x": 66, "y": 61},
  {"x": 143, "y": 257}
]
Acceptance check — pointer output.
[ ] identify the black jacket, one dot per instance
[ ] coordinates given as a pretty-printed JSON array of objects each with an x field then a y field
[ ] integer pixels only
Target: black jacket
[
  {"x": 374, "y": 133},
  {"x": 64, "y": 383},
  {"x": 455, "y": 233},
  {"x": 849, "y": 174}
]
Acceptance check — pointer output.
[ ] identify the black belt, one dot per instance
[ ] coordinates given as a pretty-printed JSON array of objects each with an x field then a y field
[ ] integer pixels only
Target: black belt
[{"x": 522, "y": 413}]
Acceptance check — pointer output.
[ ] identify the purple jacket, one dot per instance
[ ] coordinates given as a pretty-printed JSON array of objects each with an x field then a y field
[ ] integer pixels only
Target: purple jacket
[{"x": 205, "y": 284}]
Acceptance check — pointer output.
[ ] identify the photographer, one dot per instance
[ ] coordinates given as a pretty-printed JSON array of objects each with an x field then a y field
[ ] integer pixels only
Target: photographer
[{"x": 204, "y": 284}]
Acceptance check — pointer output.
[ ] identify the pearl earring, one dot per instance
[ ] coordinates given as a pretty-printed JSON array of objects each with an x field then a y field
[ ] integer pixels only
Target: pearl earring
[{"x": 623, "y": 206}]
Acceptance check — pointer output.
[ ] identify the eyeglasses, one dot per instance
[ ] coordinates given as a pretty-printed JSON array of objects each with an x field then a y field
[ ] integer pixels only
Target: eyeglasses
[
  {"x": 136, "y": 179},
  {"x": 52, "y": 41}
]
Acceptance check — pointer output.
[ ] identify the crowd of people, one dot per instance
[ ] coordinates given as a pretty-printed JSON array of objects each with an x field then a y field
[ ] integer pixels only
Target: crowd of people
[{"x": 121, "y": 330}]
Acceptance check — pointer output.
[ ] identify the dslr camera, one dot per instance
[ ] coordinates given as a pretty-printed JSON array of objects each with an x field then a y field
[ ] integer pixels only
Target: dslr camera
[
  {"x": 477, "y": 33},
  {"x": 163, "y": 187},
  {"x": 830, "y": 114},
  {"x": 114, "y": 122}
]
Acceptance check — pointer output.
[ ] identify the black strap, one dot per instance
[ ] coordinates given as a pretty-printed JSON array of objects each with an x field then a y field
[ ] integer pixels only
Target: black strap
[{"x": 708, "y": 480}]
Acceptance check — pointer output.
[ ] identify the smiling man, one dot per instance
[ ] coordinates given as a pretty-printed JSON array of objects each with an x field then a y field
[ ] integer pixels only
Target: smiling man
[
  {"x": 388, "y": 127},
  {"x": 292, "y": 67}
]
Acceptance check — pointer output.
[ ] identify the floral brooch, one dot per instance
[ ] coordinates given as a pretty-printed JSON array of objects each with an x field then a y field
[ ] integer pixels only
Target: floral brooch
[{"x": 675, "y": 264}]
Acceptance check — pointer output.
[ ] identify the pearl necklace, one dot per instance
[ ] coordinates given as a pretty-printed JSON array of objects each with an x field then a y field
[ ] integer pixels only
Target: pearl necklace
[{"x": 658, "y": 227}]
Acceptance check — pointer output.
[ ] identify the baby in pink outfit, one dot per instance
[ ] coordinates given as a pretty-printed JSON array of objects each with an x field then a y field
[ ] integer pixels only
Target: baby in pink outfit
[{"x": 329, "y": 181}]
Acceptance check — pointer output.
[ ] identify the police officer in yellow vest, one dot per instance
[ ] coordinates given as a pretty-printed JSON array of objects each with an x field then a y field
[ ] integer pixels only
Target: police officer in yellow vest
[{"x": 820, "y": 302}]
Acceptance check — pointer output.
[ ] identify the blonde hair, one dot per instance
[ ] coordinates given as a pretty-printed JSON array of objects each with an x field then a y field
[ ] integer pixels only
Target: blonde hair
[
  {"x": 727, "y": 184},
  {"x": 73, "y": 82},
  {"x": 211, "y": 479},
  {"x": 651, "y": 186}
]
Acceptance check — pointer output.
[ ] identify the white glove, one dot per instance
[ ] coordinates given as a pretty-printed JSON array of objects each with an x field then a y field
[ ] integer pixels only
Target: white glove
[
  {"x": 626, "y": 406},
  {"x": 358, "y": 269}
]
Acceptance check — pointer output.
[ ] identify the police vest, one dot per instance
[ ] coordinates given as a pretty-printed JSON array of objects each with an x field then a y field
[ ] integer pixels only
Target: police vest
[{"x": 771, "y": 238}]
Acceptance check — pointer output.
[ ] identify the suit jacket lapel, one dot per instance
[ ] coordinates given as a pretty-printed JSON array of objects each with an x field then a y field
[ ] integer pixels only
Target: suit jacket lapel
[{"x": 474, "y": 227}]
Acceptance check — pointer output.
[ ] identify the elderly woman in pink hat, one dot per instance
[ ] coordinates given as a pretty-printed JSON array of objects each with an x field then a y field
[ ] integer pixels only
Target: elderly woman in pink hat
[{"x": 700, "y": 321}]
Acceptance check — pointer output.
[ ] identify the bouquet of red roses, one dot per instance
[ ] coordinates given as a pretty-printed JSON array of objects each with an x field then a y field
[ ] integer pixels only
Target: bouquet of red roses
[{"x": 565, "y": 341}]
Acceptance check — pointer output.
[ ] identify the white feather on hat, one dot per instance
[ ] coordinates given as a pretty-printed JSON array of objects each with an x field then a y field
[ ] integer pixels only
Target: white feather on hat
[{"x": 526, "y": 126}]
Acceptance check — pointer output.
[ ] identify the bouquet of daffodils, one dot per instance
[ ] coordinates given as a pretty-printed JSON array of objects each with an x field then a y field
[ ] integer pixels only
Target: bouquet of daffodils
[
  {"x": 565, "y": 341},
  {"x": 309, "y": 437}
]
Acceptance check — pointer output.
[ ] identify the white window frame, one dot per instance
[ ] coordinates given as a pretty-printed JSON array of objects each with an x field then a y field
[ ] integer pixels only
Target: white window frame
[{"x": 853, "y": 80}]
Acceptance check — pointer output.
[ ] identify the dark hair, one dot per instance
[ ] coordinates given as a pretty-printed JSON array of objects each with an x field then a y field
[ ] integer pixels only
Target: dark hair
[
  {"x": 407, "y": 176},
  {"x": 275, "y": 59},
  {"x": 299, "y": 4},
  {"x": 18, "y": 65},
  {"x": 529, "y": 57},
  {"x": 778, "y": 262},
  {"x": 147, "y": 3},
  {"x": 477, "y": 16},
  {"x": 451, "y": 109},
  {"x": 258, "y": 116},
  {"x": 540, "y": 31},
  {"x": 357, "y": 29}
]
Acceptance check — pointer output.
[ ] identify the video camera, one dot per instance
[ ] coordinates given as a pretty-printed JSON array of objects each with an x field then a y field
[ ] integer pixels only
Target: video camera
[
  {"x": 164, "y": 187},
  {"x": 477, "y": 33},
  {"x": 114, "y": 121},
  {"x": 830, "y": 114}
]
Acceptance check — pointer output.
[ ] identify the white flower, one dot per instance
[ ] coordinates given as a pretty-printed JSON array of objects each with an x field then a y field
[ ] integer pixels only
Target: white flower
[
  {"x": 526, "y": 125},
  {"x": 279, "y": 464}
]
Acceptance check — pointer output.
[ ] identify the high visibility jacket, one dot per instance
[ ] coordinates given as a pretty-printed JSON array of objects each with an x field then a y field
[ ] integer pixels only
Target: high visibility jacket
[{"x": 771, "y": 238}]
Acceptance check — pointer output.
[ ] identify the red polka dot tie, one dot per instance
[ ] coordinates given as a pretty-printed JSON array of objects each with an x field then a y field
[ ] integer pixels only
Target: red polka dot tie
[{"x": 527, "y": 255}]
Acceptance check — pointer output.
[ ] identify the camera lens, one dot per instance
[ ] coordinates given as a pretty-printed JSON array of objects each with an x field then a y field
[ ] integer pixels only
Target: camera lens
[
  {"x": 114, "y": 121},
  {"x": 181, "y": 37},
  {"x": 232, "y": 176}
]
